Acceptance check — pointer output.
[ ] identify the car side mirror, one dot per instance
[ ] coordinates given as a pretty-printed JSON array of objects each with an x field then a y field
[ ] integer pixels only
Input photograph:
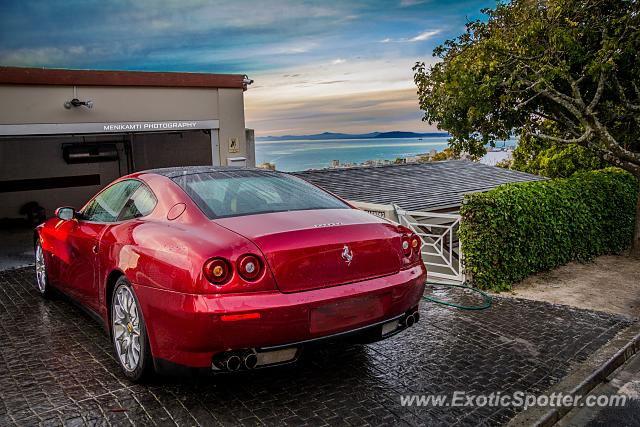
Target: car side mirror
[{"x": 65, "y": 213}]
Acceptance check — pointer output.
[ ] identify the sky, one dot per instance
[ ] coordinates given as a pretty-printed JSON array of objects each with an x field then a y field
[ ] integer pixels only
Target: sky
[{"x": 341, "y": 66}]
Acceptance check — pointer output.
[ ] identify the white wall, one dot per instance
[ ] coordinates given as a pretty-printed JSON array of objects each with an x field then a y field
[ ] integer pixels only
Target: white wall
[
  {"x": 24, "y": 104},
  {"x": 44, "y": 104}
]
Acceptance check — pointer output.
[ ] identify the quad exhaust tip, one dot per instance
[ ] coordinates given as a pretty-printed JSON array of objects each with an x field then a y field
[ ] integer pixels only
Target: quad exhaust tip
[
  {"x": 239, "y": 360},
  {"x": 250, "y": 361},
  {"x": 233, "y": 363},
  {"x": 412, "y": 319}
]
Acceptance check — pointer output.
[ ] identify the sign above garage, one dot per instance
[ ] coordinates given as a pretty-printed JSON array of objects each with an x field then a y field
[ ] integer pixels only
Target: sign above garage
[{"x": 116, "y": 127}]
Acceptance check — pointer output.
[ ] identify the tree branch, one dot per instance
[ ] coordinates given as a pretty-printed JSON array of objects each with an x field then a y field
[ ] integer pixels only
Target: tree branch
[
  {"x": 569, "y": 124},
  {"x": 610, "y": 142},
  {"x": 623, "y": 97},
  {"x": 575, "y": 89},
  {"x": 525, "y": 102},
  {"x": 596, "y": 98},
  {"x": 611, "y": 158},
  {"x": 584, "y": 137},
  {"x": 565, "y": 101}
]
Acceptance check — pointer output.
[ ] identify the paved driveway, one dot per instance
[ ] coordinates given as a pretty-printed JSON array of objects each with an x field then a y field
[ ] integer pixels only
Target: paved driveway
[{"x": 56, "y": 367}]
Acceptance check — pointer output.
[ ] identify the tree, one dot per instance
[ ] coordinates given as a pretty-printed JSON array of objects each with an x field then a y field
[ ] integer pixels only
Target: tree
[
  {"x": 439, "y": 156},
  {"x": 446, "y": 154},
  {"x": 562, "y": 72},
  {"x": 552, "y": 159}
]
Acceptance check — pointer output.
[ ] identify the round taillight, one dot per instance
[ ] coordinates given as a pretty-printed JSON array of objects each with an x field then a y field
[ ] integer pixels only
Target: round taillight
[
  {"x": 217, "y": 270},
  {"x": 406, "y": 246},
  {"x": 249, "y": 267},
  {"x": 415, "y": 242}
]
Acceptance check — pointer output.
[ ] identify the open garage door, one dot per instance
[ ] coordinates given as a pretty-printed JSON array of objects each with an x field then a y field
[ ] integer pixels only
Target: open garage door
[
  {"x": 42, "y": 172},
  {"x": 66, "y": 170}
]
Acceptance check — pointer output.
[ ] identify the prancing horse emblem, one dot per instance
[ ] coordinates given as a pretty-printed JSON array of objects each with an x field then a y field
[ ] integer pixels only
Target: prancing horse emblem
[{"x": 347, "y": 254}]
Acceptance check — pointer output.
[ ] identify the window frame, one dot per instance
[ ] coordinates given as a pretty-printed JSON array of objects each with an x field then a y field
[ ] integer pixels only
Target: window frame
[
  {"x": 117, "y": 220},
  {"x": 130, "y": 199}
]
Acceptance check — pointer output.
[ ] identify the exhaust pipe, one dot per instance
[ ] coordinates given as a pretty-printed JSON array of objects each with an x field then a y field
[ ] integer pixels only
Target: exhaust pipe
[
  {"x": 250, "y": 361},
  {"x": 247, "y": 359},
  {"x": 409, "y": 321},
  {"x": 233, "y": 363}
]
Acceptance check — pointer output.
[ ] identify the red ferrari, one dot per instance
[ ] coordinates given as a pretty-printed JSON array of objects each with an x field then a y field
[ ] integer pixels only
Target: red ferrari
[{"x": 225, "y": 269}]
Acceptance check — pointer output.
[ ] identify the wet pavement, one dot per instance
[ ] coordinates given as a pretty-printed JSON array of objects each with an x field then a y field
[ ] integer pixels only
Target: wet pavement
[
  {"x": 17, "y": 246},
  {"x": 56, "y": 367},
  {"x": 624, "y": 381}
]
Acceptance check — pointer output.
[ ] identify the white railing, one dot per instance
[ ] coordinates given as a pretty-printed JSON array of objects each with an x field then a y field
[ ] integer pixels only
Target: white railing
[{"x": 441, "y": 249}]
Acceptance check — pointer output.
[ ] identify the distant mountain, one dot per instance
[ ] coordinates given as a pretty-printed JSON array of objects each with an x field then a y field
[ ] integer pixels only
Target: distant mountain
[
  {"x": 334, "y": 135},
  {"x": 400, "y": 134}
]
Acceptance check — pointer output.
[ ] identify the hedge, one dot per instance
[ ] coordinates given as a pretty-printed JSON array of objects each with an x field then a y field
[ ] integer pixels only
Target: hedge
[{"x": 518, "y": 229}]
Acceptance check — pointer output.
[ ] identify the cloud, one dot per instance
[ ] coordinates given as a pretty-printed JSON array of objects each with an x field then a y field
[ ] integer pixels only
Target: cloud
[
  {"x": 354, "y": 96},
  {"x": 291, "y": 48},
  {"x": 425, "y": 35},
  {"x": 382, "y": 110},
  {"x": 408, "y": 3},
  {"x": 46, "y": 55},
  {"x": 315, "y": 64}
]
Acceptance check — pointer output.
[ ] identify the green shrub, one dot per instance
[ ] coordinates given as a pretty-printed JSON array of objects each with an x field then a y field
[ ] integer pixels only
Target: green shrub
[{"x": 518, "y": 229}]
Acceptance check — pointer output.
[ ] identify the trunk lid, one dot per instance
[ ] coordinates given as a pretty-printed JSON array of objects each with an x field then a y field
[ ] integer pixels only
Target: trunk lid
[{"x": 321, "y": 248}]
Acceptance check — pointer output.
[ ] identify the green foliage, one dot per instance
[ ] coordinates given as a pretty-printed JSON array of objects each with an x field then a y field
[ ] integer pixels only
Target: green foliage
[
  {"x": 552, "y": 159},
  {"x": 534, "y": 67},
  {"x": 518, "y": 229},
  {"x": 446, "y": 154}
]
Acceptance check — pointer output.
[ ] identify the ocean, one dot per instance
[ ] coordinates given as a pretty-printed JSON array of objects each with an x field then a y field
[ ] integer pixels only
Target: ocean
[{"x": 296, "y": 155}]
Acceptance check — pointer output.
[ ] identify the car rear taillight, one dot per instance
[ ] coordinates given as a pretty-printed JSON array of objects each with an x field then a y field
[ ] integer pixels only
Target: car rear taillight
[
  {"x": 217, "y": 270},
  {"x": 411, "y": 244},
  {"x": 249, "y": 267},
  {"x": 415, "y": 243},
  {"x": 406, "y": 246}
]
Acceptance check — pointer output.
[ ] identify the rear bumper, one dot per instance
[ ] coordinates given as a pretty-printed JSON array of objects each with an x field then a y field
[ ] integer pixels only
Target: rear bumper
[{"x": 189, "y": 330}]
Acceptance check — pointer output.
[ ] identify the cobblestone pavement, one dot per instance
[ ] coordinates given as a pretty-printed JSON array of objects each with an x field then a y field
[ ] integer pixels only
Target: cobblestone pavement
[{"x": 56, "y": 367}]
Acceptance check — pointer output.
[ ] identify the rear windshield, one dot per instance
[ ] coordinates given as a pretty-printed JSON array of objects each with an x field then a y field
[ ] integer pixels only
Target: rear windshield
[{"x": 245, "y": 192}]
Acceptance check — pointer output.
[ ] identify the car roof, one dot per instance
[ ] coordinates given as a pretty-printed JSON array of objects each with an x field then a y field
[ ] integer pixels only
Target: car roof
[{"x": 174, "y": 172}]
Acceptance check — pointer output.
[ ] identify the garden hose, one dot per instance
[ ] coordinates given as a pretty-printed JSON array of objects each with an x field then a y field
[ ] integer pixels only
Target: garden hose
[{"x": 486, "y": 304}]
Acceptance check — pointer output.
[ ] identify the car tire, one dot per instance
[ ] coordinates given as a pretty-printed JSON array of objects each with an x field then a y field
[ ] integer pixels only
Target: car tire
[
  {"x": 129, "y": 333},
  {"x": 42, "y": 277}
]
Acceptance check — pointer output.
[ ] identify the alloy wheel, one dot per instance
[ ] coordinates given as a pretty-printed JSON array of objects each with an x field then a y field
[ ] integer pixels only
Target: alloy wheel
[
  {"x": 41, "y": 271},
  {"x": 126, "y": 328}
]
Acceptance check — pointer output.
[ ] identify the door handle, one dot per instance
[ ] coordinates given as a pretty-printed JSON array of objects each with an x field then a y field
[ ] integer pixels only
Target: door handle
[{"x": 95, "y": 249}]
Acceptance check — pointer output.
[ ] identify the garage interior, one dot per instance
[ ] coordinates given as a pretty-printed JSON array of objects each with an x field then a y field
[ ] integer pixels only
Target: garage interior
[
  {"x": 78, "y": 166},
  {"x": 65, "y": 134}
]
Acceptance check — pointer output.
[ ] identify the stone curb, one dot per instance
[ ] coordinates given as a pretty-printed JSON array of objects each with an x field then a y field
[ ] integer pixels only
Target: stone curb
[{"x": 623, "y": 346}]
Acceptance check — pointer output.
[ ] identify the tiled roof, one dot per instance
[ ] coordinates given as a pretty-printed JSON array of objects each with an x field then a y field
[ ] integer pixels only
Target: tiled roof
[{"x": 414, "y": 186}]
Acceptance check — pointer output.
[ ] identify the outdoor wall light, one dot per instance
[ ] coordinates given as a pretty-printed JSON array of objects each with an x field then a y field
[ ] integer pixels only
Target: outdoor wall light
[{"x": 75, "y": 102}]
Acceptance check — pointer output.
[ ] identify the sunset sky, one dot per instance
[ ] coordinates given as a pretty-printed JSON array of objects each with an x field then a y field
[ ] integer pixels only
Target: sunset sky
[{"x": 341, "y": 66}]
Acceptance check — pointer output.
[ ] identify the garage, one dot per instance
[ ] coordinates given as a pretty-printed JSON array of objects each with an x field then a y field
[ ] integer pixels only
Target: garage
[{"x": 65, "y": 134}]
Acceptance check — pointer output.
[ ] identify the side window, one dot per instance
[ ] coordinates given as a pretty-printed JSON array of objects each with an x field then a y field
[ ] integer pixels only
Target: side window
[
  {"x": 106, "y": 206},
  {"x": 141, "y": 203}
]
